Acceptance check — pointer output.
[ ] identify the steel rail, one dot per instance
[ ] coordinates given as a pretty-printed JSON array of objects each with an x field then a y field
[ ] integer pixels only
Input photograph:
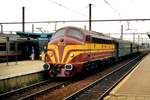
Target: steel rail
[
  {"x": 41, "y": 92},
  {"x": 21, "y": 93},
  {"x": 12, "y": 92},
  {"x": 115, "y": 84},
  {"x": 81, "y": 91}
]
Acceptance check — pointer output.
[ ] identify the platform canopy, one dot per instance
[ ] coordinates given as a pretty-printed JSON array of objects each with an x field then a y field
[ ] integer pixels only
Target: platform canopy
[{"x": 34, "y": 35}]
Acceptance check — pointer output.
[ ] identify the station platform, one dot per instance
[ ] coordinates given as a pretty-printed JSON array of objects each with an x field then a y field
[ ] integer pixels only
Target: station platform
[
  {"x": 21, "y": 68},
  {"x": 136, "y": 86}
]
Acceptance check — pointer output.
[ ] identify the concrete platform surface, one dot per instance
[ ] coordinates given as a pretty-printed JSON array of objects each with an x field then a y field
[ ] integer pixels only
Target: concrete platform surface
[
  {"x": 136, "y": 86},
  {"x": 21, "y": 68}
]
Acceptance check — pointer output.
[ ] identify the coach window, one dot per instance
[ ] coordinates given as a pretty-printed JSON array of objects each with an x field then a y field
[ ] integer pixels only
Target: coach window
[
  {"x": 12, "y": 46},
  {"x": 75, "y": 33},
  {"x": 2, "y": 46}
]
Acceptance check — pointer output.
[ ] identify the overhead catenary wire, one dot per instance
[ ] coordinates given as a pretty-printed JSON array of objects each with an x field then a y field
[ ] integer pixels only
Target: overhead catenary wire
[
  {"x": 116, "y": 11},
  {"x": 70, "y": 9},
  {"x": 64, "y": 21}
]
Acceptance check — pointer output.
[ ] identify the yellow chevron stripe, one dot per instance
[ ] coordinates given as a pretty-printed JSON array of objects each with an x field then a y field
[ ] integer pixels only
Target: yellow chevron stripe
[
  {"x": 91, "y": 60},
  {"x": 55, "y": 48},
  {"x": 80, "y": 52},
  {"x": 87, "y": 48},
  {"x": 50, "y": 54}
]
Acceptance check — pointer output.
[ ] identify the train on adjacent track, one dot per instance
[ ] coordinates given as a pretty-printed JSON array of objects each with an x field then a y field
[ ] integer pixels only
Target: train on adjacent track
[
  {"x": 72, "y": 50},
  {"x": 11, "y": 50}
]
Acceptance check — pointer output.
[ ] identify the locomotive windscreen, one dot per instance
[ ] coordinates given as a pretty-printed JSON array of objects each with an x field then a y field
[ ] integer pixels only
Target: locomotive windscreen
[
  {"x": 75, "y": 33},
  {"x": 59, "y": 33},
  {"x": 70, "y": 32}
]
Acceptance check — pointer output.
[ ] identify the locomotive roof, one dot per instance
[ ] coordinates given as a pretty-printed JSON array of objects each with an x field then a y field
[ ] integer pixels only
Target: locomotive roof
[
  {"x": 92, "y": 33},
  {"x": 98, "y": 35},
  {"x": 103, "y": 36},
  {"x": 121, "y": 41}
]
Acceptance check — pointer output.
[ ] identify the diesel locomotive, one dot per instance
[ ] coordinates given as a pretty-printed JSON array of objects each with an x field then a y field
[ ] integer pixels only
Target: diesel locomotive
[{"x": 71, "y": 50}]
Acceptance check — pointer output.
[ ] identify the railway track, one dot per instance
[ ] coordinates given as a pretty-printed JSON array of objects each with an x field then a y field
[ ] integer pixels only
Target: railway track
[
  {"x": 30, "y": 92},
  {"x": 101, "y": 87},
  {"x": 96, "y": 90}
]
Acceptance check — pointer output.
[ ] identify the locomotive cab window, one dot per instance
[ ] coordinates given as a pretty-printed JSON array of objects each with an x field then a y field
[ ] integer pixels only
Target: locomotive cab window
[
  {"x": 88, "y": 38},
  {"x": 75, "y": 33},
  {"x": 59, "y": 33}
]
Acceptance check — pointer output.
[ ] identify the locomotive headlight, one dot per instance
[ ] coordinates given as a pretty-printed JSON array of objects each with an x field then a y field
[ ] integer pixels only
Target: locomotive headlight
[
  {"x": 50, "y": 54},
  {"x": 46, "y": 66},
  {"x": 71, "y": 55}
]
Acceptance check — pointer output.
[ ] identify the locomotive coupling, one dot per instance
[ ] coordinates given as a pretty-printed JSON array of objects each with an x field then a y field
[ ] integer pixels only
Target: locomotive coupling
[
  {"x": 46, "y": 66},
  {"x": 68, "y": 67}
]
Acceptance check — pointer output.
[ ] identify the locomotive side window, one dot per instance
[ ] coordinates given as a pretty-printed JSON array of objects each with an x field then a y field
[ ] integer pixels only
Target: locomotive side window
[
  {"x": 59, "y": 33},
  {"x": 75, "y": 33},
  {"x": 103, "y": 41},
  {"x": 88, "y": 38}
]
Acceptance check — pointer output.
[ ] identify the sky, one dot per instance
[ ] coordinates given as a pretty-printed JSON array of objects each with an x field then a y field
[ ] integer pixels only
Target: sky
[{"x": 53, "y": 10}]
